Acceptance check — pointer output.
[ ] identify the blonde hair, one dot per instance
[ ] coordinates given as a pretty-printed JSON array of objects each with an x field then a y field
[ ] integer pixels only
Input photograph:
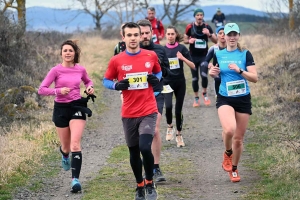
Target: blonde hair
[{"x": 241, "y": 47}]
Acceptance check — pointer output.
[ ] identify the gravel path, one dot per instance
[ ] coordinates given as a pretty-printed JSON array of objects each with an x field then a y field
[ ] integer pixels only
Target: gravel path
[{"x": 204, "y": 147}]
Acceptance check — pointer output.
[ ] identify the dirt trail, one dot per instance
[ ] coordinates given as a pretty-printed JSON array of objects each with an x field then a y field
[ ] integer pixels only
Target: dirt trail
[{"x": 204, "y": 147}]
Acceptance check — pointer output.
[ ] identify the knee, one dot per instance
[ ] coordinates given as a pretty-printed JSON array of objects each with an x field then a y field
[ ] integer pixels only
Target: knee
[
  {"x": 195, "y": 79},
  {"x": 145, "y": 150},
  {"x": 237, "y": 141},
  {"x": 229, "y": 132}
]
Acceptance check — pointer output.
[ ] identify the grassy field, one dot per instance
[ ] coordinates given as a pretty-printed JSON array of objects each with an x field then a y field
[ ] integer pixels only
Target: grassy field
[{"x": 275, "y": 122}]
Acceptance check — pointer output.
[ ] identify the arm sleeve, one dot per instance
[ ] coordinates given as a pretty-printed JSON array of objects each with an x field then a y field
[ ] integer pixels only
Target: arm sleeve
[
  {"x": 212, "y": 20},
  {"x": 215, "y": 61},
  {"x": 188, "y": 30},
  {"x": 116, "y": 49},
  {"x": 157, "y": 67},
  {"x": 249, "y": 59},
  {"x": 210, "y": 54},
  {"x": 158, "y": 75},
  {"x": 85, "y": 78},
  {"x": 161, "y": 29},
  {"x": 210, "y": 29},
  {"x": 186, "y": 54},
  {"x": 44, "y": 87},
  {"x": 109, "y": 84}
]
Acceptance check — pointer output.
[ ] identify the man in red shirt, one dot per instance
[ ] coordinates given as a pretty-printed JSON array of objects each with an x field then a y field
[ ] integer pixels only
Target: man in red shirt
[
  {"x": 158, "y": 30},
  {"x": 137, "y": 71}
]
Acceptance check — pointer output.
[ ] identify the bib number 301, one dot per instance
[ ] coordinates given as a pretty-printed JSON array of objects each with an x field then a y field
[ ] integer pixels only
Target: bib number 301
[{"x": 137, "y": 80}]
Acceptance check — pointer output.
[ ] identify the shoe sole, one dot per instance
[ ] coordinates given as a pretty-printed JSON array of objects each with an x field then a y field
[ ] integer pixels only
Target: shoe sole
[{"x": 225, "y": 169}]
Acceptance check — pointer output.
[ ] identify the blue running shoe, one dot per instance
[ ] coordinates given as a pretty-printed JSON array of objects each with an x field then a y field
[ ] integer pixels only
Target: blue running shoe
[
  {"x": 76, "y": 186},
  {"x": 65, "y": 163}
]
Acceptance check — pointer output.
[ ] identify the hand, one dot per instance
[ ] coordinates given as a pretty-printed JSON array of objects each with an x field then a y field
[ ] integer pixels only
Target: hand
[
  {"x": 65, "y": 90},
  {"x": 205, "y": 31},
  {"x": 153, "y": 80},
  {"x": 179, "y": 55},
  {"x": 192, "y": 40},
  {"x": 234, "y": 67},
  {"x": 122, "y": 85},
  {"x": 210, "y": 65},
  {"x": 160, "y": 37},
  {"x": 214, "y": 71},
  {"x": 89, "y": 90}
]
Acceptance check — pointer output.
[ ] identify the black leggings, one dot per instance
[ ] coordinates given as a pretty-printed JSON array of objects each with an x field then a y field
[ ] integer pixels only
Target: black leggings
[
  {"x": 136, "y": 162},
  {"x": 195, "y": 73},
  {"x": 179, "y": 88}
]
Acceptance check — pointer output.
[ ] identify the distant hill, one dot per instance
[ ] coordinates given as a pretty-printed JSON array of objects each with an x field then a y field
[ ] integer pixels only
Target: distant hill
[{"x": 44, "y": 19}]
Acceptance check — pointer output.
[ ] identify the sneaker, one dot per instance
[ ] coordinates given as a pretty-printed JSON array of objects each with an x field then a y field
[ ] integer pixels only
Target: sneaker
[
  {"x": 76, "y": 186},
  {"x": 140, "y": 193},
  {"x": 151, "y": 193},
  {"x": 234, "y": 176},
  {"x": 227, "y": 162},
  {"x": 170, "y": 133},
  {"x": 206, "y": 100},
  {"x": 179, "y": 141},
  {"x": 65, "y": 163},
  {"x": 158, "y": 175},
  {"x": 196, "y": 103}
]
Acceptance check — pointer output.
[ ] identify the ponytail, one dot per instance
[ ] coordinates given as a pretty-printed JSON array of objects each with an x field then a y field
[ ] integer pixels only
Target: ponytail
[{"x": 240, "y": 47}]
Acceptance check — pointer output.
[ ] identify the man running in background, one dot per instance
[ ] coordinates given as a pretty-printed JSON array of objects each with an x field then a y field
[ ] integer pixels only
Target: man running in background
[
  {"x": 219, "y": 18},
  {"x": 197, "y": 35},
  {"x": 147, "y": 43},
  {"x": 158, "y": 30}
]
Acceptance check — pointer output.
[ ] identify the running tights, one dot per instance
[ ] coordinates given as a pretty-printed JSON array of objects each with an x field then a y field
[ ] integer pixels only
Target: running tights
[
  {"x": 179, "y": 88},
  {"x": 136, "y": 162},
  {"x": 195, "y": 75}
]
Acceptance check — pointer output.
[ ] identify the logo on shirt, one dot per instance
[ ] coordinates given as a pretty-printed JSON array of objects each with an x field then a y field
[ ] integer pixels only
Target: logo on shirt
[
  {"x": 147, "y": 64},
  {"x": 126, "y": 67}
]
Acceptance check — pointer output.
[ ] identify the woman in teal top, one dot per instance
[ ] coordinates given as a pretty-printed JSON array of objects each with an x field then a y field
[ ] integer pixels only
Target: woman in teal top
[{"x": 236, "y": 67}]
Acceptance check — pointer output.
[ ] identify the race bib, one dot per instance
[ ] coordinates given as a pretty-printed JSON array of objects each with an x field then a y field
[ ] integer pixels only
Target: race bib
[
  {"x": 219, "y": 24},
  {"x": 236, "y": 87},
  {"x": 154, "y": 38},
  {"x": 167, "y": 89},
  {"x": 137, "y": 80},
  {"x": 174, "y": 63},
  {"x": 200, "y": 44}
]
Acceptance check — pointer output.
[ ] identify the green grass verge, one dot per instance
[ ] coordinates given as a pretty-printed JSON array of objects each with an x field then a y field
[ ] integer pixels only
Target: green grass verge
[{"x": 116, "y": 180}]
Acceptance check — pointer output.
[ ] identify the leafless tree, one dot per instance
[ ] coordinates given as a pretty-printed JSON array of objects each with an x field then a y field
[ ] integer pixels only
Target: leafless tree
[
  {"x": 177, "y": 8},
  {"x": 19, "y": 5},
  {"x": 97, "y": 9},
  {"x": 127, "y": 10}
]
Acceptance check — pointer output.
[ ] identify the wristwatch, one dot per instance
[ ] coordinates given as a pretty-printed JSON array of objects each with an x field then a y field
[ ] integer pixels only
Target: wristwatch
[{"x": 241, "y": 71}]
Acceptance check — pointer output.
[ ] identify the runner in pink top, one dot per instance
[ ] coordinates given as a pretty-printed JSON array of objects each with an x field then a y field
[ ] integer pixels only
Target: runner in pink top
[{"x": 70, "y": 109}]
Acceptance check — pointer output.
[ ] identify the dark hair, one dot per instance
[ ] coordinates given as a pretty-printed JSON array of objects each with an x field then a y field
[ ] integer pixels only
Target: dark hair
[
  {"x": 145, "y": 22},
  {"x": 151, "y": 9},
  {"x": 130, "y": 25},
  {"x": 179, "y": 37},
  {"x": 74, "y": 45}
]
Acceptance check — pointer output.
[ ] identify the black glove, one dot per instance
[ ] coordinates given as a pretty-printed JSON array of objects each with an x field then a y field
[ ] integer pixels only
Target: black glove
[
  {"x": 122, "y": 85},
  {"x": 90, "y": 96},
  {"x": 153, "y": 80}
]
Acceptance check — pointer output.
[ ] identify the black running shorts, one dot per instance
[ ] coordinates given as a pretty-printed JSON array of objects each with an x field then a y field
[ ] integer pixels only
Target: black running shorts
[
  {"x": 240, "y": 104},
  {"x": 63, "y": 114}
]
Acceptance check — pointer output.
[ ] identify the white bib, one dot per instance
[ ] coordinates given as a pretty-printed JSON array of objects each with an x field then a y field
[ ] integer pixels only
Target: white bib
[
  {"x": 174, "y": 63},
  {"x": 200, "y": 44},
  {"x": 219, "y": 24},
  {"x": 137, "y": 80},
  {"x": 167, "y": 89},
  {"x": 236, "y": 87},
  {"x": 154, "y": 38}
]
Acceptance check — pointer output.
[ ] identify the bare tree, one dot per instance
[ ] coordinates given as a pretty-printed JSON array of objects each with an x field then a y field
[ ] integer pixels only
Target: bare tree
[
  {"x": 19, "y": 5},
  {"x": 177, "y": 8},
  {"x": 97, "y": 9},
  {"x": 291, "y": 17},
  {"x": 127, "y": 10}
]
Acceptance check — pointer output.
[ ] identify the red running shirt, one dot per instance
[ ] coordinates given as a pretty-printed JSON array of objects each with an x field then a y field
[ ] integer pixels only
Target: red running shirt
[{"x": 140, "y": 102}]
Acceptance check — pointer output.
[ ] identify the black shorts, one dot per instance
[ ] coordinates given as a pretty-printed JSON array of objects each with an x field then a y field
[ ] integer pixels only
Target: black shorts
[
  {"x": 240, "y": 104},
  {"x": 134, "y": 127},
  {"x": 160, "y": 100},
  {"x": 63, "y": 113}
]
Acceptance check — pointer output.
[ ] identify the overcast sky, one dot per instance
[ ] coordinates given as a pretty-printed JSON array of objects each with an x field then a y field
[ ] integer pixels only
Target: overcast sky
[{"x": 253, "y": 4}]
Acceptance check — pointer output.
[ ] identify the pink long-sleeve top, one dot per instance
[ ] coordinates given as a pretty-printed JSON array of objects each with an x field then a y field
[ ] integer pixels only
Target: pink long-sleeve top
[{"x": 70, "y": 77}]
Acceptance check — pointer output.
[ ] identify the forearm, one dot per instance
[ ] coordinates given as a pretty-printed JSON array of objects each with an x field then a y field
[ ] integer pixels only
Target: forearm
[
  {"x": 250, "y": 76},
  {"x": 109, "y": 84},
  {"x": 189, "y": 63}
]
